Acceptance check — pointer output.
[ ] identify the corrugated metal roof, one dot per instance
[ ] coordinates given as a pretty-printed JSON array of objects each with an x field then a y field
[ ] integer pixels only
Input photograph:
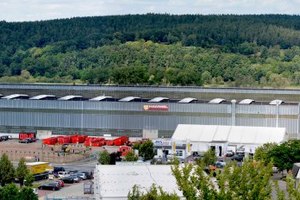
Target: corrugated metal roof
[
  {"x": 100, "y": 98},
  {"x": 276, "y": 101},
  {"x": 158, "y": 99},
  {"x": 128, "y": 99},
  {"x": 69, "y": 97},
  {"x": 246, "y": 101},
  {"x": 217, "y": 101},
  {"x": 15, "y": 96},
  {"x": 230, "y": 134},
  {"x": 42, "y": 96},
  {"x": 187, "y": 100}
]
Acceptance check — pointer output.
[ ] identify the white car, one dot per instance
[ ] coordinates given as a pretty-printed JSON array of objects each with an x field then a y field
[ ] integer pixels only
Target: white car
[{"x": 62, "y": 174}]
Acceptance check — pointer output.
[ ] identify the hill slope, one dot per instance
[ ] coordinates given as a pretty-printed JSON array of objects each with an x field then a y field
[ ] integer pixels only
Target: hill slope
[{"x": 248, "y": 50}]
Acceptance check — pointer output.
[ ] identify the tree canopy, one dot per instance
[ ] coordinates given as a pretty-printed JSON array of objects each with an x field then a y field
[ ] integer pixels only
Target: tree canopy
[{"x": 7, "y": 170}]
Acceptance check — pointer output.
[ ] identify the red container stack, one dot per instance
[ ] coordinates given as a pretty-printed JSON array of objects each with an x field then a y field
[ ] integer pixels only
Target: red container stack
[
  {"x": 63, "y": 139},
  {"x": 50, "y": 141}
]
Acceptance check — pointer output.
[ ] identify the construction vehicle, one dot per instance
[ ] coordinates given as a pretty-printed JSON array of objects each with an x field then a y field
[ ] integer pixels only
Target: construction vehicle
[{"x": 40, "y": 170}]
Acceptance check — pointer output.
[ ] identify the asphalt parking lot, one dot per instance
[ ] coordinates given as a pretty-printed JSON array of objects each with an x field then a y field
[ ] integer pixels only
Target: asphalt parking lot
[{"x": 68, "y": 190}]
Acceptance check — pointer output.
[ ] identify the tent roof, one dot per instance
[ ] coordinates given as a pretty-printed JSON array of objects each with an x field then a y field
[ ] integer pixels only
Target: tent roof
[
  {"x": 69, "y": 97},
  {"x": 15, "y": 96},
  {"x": 216, "y": 101},
  {"x": 100, "y": 98},
  {"x": 128, "y": 99},
  {"x": 157, "y": 99},
  {"x": 230, "y": 134},
  {"x": 42, "y": 96},
  {"x": 115, "y": 181},
  {"x": 187, "y": 100},
  {"x": 276, "y": 101},
  {"x": 246, "y": 101}
]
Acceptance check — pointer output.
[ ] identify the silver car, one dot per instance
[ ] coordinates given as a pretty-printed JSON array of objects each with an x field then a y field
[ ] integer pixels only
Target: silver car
[{"x": 81, "y": 175}]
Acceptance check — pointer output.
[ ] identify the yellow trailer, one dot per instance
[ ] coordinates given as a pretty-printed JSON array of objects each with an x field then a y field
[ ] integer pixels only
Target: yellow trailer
[{"x": 40, "y": 170}]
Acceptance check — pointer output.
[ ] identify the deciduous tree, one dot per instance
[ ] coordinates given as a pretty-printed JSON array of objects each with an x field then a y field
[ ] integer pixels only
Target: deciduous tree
[{"x": 7, "y": 170}]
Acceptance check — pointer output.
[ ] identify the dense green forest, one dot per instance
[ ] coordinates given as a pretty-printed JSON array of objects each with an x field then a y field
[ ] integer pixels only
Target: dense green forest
[{"x": 152, "y": 49}]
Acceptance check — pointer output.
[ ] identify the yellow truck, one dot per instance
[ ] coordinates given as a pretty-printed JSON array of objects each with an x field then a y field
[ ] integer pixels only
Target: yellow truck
[{"x": 40, "y": 170}]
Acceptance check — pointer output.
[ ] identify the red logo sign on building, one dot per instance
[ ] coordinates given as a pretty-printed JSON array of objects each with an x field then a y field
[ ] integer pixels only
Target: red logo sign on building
[{"x": 156, "y": 107}]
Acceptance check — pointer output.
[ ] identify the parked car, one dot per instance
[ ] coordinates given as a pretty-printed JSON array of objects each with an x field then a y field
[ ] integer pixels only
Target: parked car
[
  {"x": 220, "y": 164},
  {"x": 73, "y": 171},
  {"x": 81, "y": 175},
  {"x": 89, "y": 175},
  {"x": 56, "y": 170},
  {"x": 4, "y": 138},
  {"x": 60, "y": 182},
  {"x": 27, "y": 140},
  {"x": 49, "y": 186},
  {"x": 62, "y": 174},
  {"x": 70, "y": 179},
  {"x": 229, "y": 153},
  {"x": 238, "y": 157}
]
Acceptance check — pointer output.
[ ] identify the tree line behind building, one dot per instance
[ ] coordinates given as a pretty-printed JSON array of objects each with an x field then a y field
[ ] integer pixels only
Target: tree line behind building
[{"x": 229, "y": 50}]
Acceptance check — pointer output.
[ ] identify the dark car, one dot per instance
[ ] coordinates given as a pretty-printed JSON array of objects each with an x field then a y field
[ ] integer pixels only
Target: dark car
[
  {"x": 229, "y": 153},
  {"x": 4, "y": 138},
  {"x": 89, "y": 175},
  {"x": 238, "y": 157},
  {"x": 73, "y": 171},
  {"x": 56, "y": 170},
  {"x": 50, "y": 186},
  {"x": 71, "y": 179},
  {"x": 27, "y": 140}
]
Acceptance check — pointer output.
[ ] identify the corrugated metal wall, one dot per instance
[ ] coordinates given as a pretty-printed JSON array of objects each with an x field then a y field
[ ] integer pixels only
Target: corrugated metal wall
[{"x": 86, "y": 116}]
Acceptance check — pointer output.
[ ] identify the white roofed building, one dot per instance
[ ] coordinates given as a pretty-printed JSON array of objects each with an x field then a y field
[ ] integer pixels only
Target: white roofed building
[
  {"x": 116, "y": 181},
  {"x": 203, "y": 137}
]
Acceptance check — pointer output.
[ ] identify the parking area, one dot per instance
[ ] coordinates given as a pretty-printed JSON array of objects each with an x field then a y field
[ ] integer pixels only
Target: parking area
[{"x": 76, "y": 189}]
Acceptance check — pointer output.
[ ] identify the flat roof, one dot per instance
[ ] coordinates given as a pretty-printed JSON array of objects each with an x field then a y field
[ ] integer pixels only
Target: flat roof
[{"x": 115, "y": 181}]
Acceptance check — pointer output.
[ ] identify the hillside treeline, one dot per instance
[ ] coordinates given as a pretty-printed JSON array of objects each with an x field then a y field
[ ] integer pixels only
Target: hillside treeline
[
  {"x": 148, "y": 63},
  {"x": 250, "y": 50}
]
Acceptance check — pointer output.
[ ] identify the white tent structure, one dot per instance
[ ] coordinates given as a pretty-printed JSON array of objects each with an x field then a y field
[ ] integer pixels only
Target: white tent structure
[
  {"x": 115, "y": 181},
  {"x": 203, "y": 137}
]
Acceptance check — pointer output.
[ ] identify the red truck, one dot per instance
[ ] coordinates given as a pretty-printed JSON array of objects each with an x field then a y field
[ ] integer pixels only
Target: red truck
[{"x": 27, "y": 135}]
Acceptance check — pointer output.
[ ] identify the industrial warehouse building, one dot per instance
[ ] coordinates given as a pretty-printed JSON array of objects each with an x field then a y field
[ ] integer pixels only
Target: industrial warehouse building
[{"x": 134, "y": 111}]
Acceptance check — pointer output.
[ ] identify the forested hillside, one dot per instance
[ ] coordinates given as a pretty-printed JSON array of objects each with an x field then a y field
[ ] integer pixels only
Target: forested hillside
[{"x": 230, "y": 50}]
